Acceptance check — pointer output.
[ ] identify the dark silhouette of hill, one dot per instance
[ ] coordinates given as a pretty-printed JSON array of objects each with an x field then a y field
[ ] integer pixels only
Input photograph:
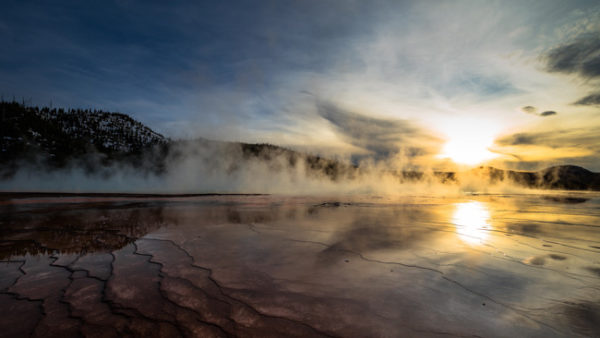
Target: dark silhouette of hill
[
  {"x": 57, "y": 137},
  {"x": 570, "y": 177},
  {"x": 565, "y": 177},
  {"x": 97, "y": 141}
]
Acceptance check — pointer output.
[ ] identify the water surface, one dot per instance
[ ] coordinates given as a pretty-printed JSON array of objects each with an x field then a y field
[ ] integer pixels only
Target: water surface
[{"x": 260, "y": 266}]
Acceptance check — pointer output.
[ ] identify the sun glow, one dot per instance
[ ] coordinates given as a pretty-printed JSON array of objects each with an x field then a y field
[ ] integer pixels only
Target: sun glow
[{"x": 468, "y": 142}]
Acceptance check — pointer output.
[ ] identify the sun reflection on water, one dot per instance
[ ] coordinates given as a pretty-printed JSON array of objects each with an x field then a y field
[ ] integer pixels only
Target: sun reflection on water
[{"x": 472, "y": 222}]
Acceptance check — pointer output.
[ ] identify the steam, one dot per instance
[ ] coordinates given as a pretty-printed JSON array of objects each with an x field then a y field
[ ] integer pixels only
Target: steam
[{"x": 220, "y": 167}]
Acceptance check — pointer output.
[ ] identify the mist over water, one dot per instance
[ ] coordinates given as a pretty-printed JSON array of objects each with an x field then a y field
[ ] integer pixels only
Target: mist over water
[{"x": 219, "y": 167}]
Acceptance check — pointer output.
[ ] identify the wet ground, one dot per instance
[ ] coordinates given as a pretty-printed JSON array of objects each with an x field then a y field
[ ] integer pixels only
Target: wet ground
[{"x": 261, "y": 266}]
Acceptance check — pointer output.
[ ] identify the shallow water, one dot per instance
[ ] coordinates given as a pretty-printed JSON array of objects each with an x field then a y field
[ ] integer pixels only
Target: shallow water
[{"x": 480, "y": 265}]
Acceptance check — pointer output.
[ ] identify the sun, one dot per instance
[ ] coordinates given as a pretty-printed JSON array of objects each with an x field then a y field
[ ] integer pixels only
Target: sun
[
  {"x": 468, "y": 142},
  {"x": 467, "y": 151}
]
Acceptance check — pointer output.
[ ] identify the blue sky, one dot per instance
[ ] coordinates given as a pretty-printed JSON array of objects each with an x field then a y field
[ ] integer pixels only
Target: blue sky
[
  {"x": 154, "y": 59},
  {"x": 263, "y": 71}
]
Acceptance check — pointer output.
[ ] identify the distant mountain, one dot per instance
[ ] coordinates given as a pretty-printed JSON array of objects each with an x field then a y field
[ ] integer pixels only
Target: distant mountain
[
  {"x": 566, "y": 177},
  {"x": 96, "y": 141}
]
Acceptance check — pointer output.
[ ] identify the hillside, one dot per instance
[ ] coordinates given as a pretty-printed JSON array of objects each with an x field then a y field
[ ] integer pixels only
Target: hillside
[
  {"x": 566, "y": 177},
  {"x": 98, "y": 141},
  {"x": 56, "y": 137}
]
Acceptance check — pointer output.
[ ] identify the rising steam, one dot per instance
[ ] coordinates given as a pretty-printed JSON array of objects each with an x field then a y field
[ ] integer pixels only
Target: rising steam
[{"x": 219, "y": 167}]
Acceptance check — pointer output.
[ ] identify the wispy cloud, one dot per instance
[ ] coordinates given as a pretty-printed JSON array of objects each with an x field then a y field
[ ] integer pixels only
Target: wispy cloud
[
  {"x": 581, "y": 57},
  {"x": 543, "y": 148},
  {"x": 557, "y": 138},
  {"x": 381, "y": 137},
  {"x": 589, "y": 100}
]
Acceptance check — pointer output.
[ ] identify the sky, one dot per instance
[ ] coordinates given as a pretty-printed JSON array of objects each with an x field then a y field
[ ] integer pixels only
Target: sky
[{"x": 514, "y": 84}]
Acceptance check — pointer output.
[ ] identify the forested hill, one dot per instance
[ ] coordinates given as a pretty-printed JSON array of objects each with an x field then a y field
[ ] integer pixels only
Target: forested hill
[{"x": 54, "y": 137}]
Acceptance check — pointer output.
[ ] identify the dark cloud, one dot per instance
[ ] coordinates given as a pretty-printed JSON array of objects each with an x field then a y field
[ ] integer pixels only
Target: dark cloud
[
  {"x": 575, "y": 137},
  {"x": 382, "y": 137},
  {"x": 580, "y": 57},
  {"x": 533, "y": 110},
  {"x": 518, "y": 139},
  {"x": 590, "y": 100},
  {"x": 529, "y": 109}
]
